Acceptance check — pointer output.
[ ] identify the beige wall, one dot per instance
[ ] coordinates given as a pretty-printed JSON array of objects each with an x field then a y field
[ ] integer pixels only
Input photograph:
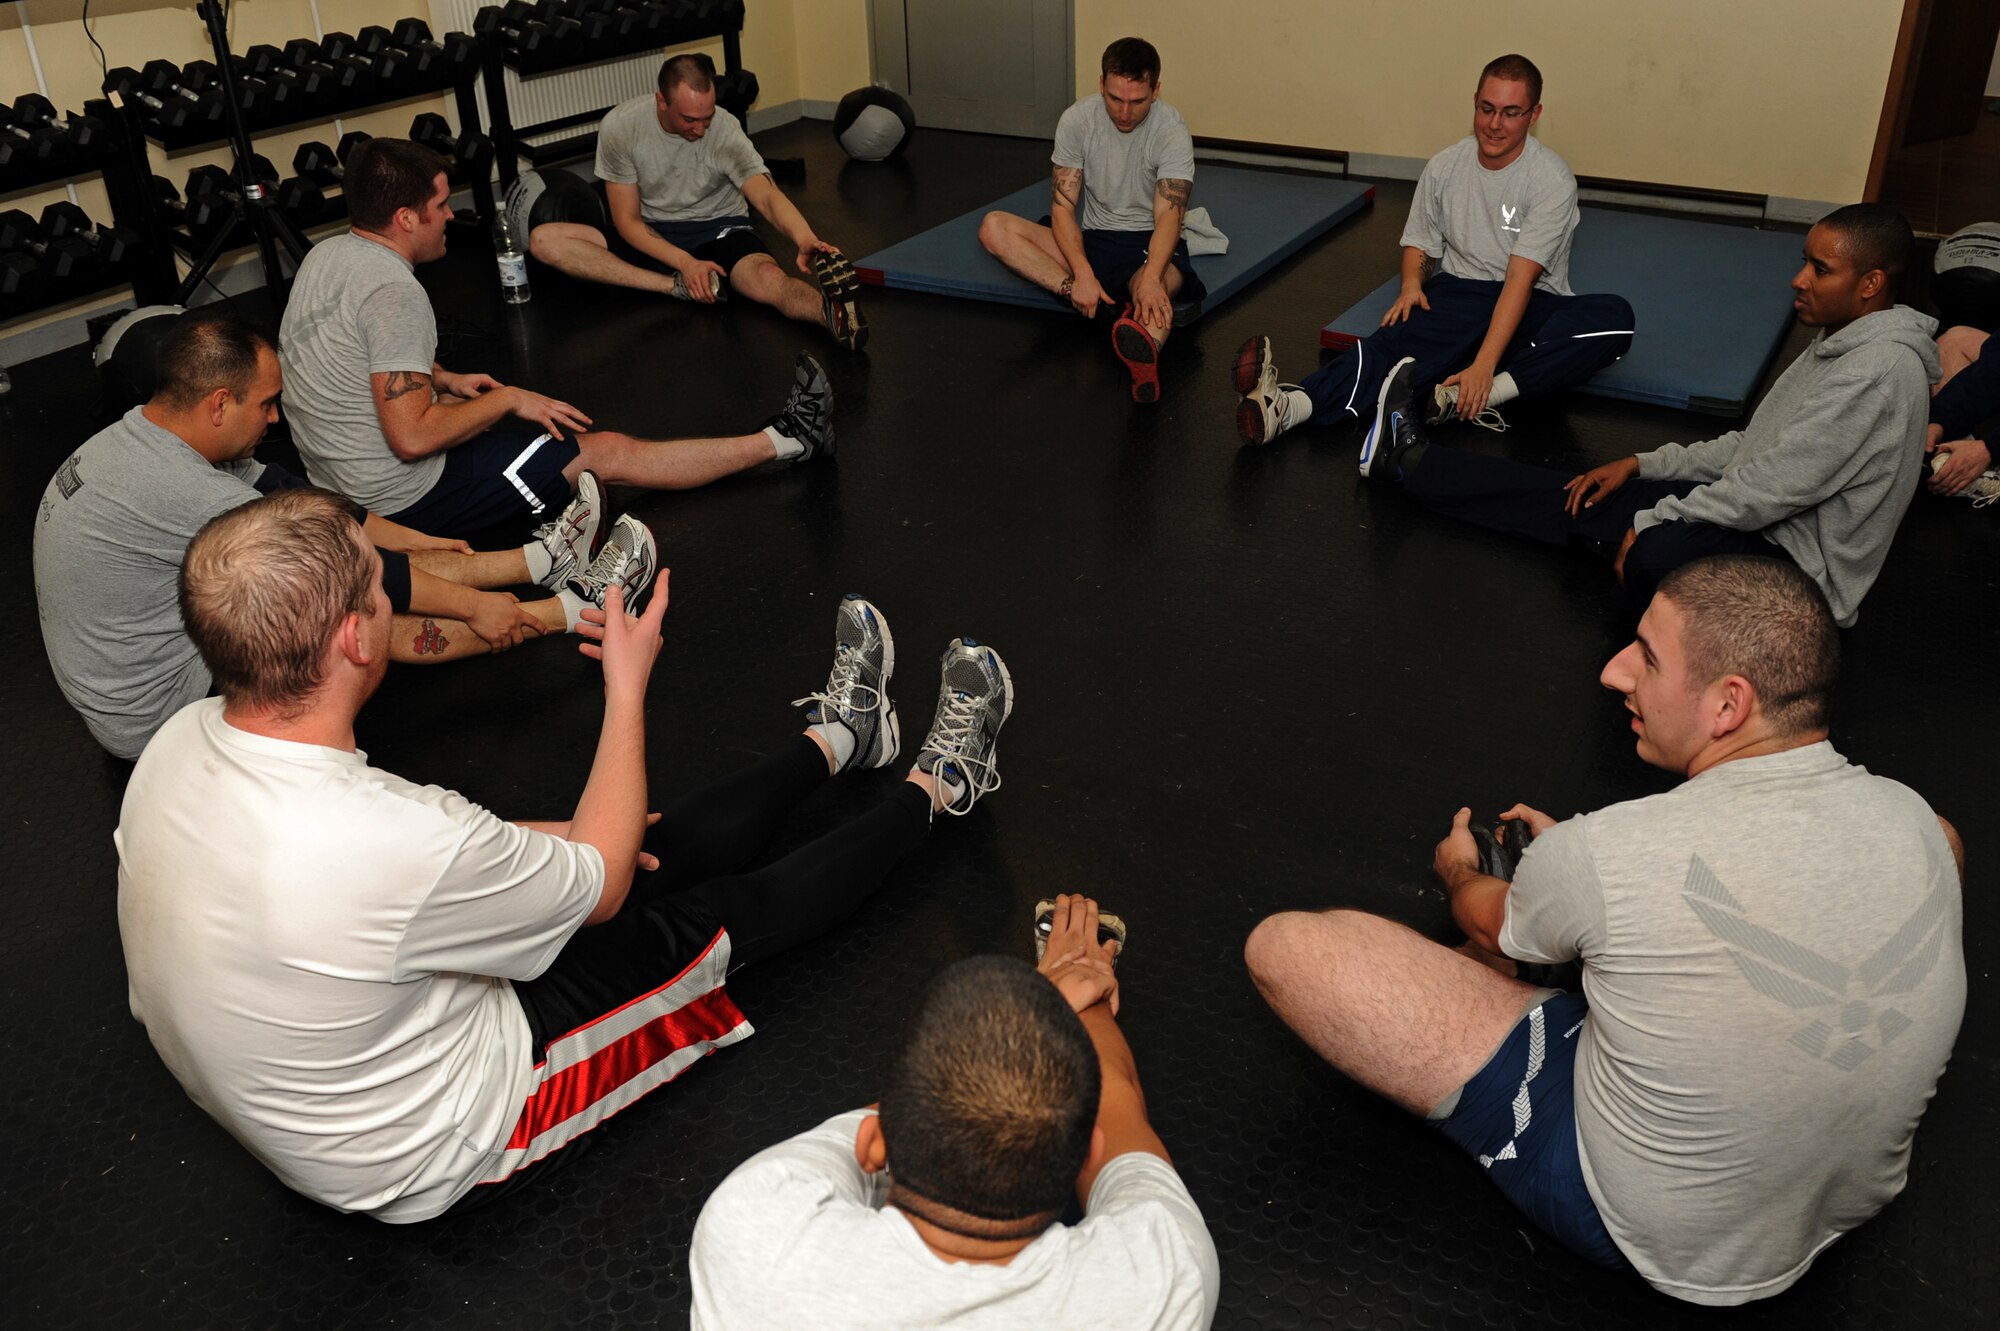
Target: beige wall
[
  {"x": 835, "y": 58},
  {"x": 1777, "y": 97}
]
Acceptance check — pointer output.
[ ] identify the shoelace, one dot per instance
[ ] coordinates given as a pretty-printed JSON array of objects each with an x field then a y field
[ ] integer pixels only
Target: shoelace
[
  {"x": 957, "y": 723},
  {"x": 1984, "y": 490},
  {"x": 841, "y": 687},
  {"x": 594, "y": 585},
  {"x": 557, "y": 535}
]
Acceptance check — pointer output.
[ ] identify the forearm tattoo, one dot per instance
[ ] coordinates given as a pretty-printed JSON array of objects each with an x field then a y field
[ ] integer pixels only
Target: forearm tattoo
[
  {"x": 1174, "y": 193},
  {"x": 1068, "y": 186},
  {"x": 402, "y": 382},
  {"x": 430, "y": 639}
]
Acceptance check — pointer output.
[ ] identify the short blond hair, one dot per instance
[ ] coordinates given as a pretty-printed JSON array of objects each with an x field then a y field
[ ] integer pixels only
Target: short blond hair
[{"x": 264, "y": 586}]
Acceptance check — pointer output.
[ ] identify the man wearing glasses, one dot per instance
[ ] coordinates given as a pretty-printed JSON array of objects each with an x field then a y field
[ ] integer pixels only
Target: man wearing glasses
[{"x": 1496, "y": 213}]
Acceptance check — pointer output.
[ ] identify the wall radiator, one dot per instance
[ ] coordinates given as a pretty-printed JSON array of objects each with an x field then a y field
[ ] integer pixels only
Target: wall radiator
[{"x": 568, "y": 92}]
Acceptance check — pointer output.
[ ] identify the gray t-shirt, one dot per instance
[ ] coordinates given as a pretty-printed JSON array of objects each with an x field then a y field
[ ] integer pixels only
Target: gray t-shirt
[
  {"x": 1120, "y": 170},
  {"x": 113, "y": 528},
  {"x": 799, "y": 1236},
  {"x": 1474, "y": 220},
  {"x": 1774, "y": 961},
  {"x": 356, "y": 310},
  {"x": 678, "y": 181}
]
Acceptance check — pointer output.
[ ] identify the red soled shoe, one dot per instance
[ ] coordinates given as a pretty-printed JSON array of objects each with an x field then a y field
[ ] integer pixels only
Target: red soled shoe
[{"x": 1141, "y": 354}]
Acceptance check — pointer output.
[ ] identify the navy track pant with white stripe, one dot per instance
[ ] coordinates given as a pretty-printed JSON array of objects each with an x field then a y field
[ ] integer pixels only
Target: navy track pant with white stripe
[{"x": 1561, "y": 342}]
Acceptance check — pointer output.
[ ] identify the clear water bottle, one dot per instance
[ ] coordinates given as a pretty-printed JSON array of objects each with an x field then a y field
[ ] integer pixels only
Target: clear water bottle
[{"x": 513, "y": 263}]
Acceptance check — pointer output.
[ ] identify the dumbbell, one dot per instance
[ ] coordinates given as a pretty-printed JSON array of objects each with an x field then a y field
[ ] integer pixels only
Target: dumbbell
[
  {"x": 159, "y": 90},
  {"x": 390, "y": 65},
  {"x": 21, "y": 143},
  {"x": 603, "y": 21},
  {"x": 357, "y": 72},
  {"x": 653, "y": 19},
  {"x": 281, "y": 91},
  {"x": 735, "y": 90},
  {"x": 521, "y": 27},
  {"x": 33, "y": 111},
  {"x": 453, "y": 56},
  {"x": 318, "y": 166},
  {"x": 62, "y": 259},
  {"x": 20, "y": 275},
  {"x": 343, "y": 83},
  {"x": 212, "y": 192},
  {"x": 471, "y": 154},
  {"x": 108, "y": 244}
]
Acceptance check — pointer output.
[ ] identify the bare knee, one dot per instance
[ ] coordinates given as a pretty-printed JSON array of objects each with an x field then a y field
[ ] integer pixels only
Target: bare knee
[
  {"x": 994, "y": 230},
  {"x": 758, "y": 276},
  {"x": 1284, "y": 945},
  {"x": 547, "y": 241}
]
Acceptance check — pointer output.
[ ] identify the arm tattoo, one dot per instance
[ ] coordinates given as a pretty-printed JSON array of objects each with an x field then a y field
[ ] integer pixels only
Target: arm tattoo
[
  {"x": 401, "y": 382},
  {"x": 430, "y": 639},
  {"x": 1068, "y": 186},
  {"x": 1174, "y": 193}
]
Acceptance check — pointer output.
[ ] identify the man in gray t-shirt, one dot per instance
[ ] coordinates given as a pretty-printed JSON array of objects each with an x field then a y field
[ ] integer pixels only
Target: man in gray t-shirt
[
  {"x": 1124, "y": 168},
  {"x": 1495, "y": 213},
  {"x": 116, "y": 519},
  {"x": 679, "y": 180},
  {"x": 378, "y": 420},
  {"x": 1771, "y": 958}
]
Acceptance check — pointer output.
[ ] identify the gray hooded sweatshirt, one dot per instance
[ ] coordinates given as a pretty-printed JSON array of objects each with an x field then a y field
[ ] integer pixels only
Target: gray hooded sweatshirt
[{"x": 1829, "y": 460}]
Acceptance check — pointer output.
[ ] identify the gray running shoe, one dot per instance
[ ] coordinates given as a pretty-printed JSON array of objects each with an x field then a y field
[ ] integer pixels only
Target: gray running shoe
[
  {"x": 629, "y": 558},
  {"x": 975, "y": 697},
  {"x": 808, "y": 412},
  {"x": 1395, "y": 428},
  {"x": 857, "y": 690},
  {"x": 716, "y": 287},
  {"x": 574, "y": 537}
]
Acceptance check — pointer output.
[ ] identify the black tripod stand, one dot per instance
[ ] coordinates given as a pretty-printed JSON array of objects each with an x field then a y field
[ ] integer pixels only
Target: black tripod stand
[{"x": 251, "y": 206}]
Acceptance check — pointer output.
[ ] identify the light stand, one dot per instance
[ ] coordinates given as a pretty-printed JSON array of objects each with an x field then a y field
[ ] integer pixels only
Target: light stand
[{"x": 251, "y": 205}]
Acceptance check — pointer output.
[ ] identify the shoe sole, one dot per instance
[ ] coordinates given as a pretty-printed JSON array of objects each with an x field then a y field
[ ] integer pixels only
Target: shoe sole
[
  {"x": 1110, "y": 929},
  {"x": 1248, "y": 372},
  {"x": 1372, "y": 452},
  {"x": 1135, "y": 347},
  {"x": 891, "y": 726},
  {"x": 839, "y": 283},
  {"x": 1250, "y": 421}
]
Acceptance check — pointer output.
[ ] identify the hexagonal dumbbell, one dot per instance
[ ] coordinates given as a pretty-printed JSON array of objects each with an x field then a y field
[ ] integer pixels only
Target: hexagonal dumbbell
[
  {"x": 63, "y": 260},
  {"x": 109, "y": 245}
]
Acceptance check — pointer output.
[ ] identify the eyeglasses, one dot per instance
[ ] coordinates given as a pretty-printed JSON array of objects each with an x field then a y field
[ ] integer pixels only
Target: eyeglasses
[{"x": 1507, "y": 113}]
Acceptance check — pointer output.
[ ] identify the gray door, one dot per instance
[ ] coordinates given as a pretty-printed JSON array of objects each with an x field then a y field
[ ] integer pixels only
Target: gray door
[{"x": 993, "y": 66}]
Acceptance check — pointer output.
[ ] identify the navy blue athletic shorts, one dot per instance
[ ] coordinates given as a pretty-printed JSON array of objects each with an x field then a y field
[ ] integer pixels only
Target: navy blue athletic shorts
[
  {"x": 510, "y": 472},
  {"x": 724, "y": 240},
  {"x": 1517, "y": 1118}
]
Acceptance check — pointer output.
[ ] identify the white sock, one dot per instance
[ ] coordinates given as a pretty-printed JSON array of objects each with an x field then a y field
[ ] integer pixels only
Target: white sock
[
  {"x": 788, "y": 447},
  {"x": 540, "y": 561},
  {"x": 1295, "y": 408},
  {"x": 1504, "y": 389},
  {"x": 948, "y": 790},
  {"x": 573, "y": 608},
  {"x": 838, "y": 738}
]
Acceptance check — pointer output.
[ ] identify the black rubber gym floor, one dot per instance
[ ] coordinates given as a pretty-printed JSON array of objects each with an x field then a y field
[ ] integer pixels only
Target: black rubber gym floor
[{"x": 1246, "y": 680}]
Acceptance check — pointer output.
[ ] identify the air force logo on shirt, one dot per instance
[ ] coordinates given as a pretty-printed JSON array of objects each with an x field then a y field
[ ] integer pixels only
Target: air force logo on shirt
[{"x": 1507, "y": 218}]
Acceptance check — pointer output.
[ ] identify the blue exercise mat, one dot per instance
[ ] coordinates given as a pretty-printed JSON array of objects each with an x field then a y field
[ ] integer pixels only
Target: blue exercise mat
[
  {"x": 1712, "y": 304},
  {"x": 1267, "y": 216}
]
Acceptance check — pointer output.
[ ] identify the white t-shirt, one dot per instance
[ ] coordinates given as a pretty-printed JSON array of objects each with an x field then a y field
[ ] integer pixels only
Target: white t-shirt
[
  {"x": 678, "y": 180},
  {"x": 1121, "y": 170},
  {"x": 1473, "y": 220},
  {"x": 320, "y": 952},
  {"x": 798, "y": 1236}
]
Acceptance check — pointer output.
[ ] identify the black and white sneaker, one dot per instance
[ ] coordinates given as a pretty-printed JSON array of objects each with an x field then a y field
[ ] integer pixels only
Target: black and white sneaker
[
  {"x": 1395, "y": 427},
  {"x": 857, "y": 689},
  {"x": 1444, "y": 408},
  {"x": 807, "y": 418},
  {"x": 840, "y": 311},
  {"x": 718, "y": 290},
  {"x": 573, "y": 538},
  {"x": 629, "y": 559},
  {"x": 975, "y": 698}
]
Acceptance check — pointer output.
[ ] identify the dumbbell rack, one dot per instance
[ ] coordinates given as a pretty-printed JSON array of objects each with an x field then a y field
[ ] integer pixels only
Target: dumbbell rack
[
  {"x": 121, "y": 160},
  {"x": 462, "y": 83},
  {"x": 509, "y": 139}
]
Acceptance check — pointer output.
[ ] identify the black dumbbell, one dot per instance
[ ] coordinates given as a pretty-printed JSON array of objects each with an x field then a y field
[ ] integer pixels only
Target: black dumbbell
[
  {"x": 159, "y": 87},
  {"x": 735, "y": 90},
  {"x": 357, "y": 71},
  {"x": 331, "y": 85},
  {"x": 63, "y": 259},
  {"x": 20, "y": 143},
  {"x": 521, "y": 27},
  {"x": 212, "y": 192},
  {"x": 109, "y": 245},
  {"x": 318, "y": 166},
  {"x": 602, "y": 20},
  {"x": 80, "y": 133},
  {"x": 654, "y": 20},
  {"x": 454, "y": 57},
  {"x": 286, "y": 92},
  {"x": 20, "y": 275},
  {"x": 471, "y": 154},
  {"x": 395, "y": 69}
]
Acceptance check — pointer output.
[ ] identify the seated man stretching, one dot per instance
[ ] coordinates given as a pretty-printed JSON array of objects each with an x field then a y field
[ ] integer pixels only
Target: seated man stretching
[
  {"x": 1773, "y": 971},
  {"x": 1968, "y": 397},
  {"x": 1821, "y": 475},
  {"x": 377, "y": 419},
  {"x": 1015, "y": 1098},
  {"x": 1497, "y": 212},
  {"x": 680, "y": 178},
  {"x": 1124, "y": 168},
  {"x": 398, "y": 1002},
  {"x": 117, "y": 517}
]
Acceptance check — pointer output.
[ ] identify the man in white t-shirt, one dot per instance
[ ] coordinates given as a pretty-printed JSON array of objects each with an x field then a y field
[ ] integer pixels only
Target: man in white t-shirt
[
  {"x": 1015, "y": 1097},
  {"x": 679, "y": 179},
  {"x": 1772, "y": 962},
  {"x": 398, "y": 1002},
  {"x": 1496, "y": 213},
  {"x": 1124, "y": 169}
]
